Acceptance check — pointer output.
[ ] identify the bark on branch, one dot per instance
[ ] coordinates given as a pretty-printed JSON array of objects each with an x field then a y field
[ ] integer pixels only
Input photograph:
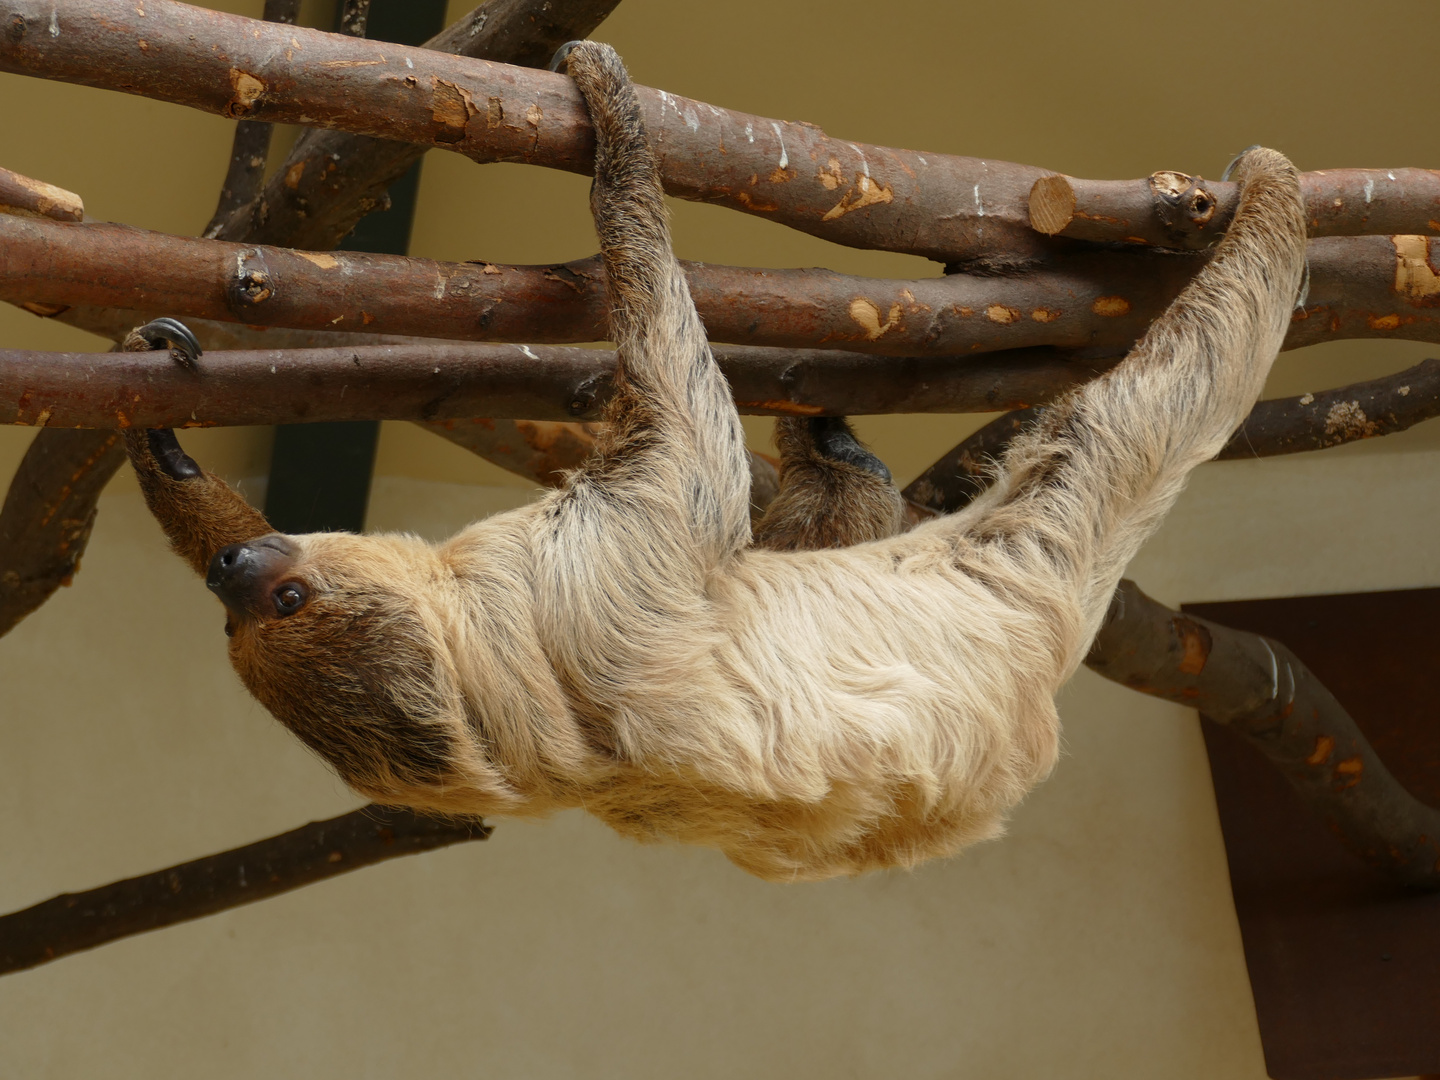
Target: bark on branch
[
  {"x": 250, "y": 148},
  {"x": 47, "y": 516},
  {"x": 949, "y": 208},
  {"x": 1173, "y": 209},
  {"x": 1290, "y": 425},
  {"x": 1361, "y": 287},
  {"x": 457, "y": 381},
  {"x": 331, "y": 179},
  {"x": 1257, "y": 687},
  {"x": 73, "y": 922},
  {"x": 22, "y": 195}
]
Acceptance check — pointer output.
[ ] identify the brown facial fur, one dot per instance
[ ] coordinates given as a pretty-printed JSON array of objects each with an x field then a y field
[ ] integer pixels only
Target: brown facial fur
[{"x": 620, "y": 645}]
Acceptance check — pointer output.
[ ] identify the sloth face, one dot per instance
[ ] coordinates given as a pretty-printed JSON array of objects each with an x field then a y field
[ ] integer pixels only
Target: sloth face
[{"x": 336, "y": 635}]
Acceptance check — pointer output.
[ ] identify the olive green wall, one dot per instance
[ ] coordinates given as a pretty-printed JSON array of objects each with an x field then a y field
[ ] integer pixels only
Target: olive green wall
[{"x": 1097, "y": 940}]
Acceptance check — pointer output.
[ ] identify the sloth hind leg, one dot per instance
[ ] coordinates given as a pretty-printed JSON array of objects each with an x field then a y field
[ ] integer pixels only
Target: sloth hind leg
[{"x": 833, "y": 491}]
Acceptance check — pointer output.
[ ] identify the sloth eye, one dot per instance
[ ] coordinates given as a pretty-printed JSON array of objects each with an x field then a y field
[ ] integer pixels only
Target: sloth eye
[{"x": 290, "y": 598}]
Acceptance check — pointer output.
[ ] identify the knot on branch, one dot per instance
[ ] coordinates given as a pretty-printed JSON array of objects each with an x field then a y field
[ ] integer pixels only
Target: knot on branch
[{"x": 1183, "y": 203}]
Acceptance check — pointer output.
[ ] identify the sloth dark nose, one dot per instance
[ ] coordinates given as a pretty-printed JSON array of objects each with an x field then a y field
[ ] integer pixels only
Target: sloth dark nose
[{"x": 234, "y": 573}]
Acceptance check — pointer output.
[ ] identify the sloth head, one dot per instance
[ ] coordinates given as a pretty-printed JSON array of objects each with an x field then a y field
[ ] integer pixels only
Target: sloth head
[{"x": 343, "y": 639}]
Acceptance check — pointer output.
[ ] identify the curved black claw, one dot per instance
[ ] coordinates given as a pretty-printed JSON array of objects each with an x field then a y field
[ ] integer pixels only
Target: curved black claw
[
  {"x": 172, "y": 334},
  {"x": 173, "y": 461},
  {"x": 1236, "y": 160},
  {"x": 835, "y": 440},
  {"x": 557, "y": 62}
]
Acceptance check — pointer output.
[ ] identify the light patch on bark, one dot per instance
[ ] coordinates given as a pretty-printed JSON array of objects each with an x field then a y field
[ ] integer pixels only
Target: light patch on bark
[
  {"x": 868, "y": 316},
  {"x": 866, "y": 192},
  {"x": 1414, "y": 276},
  {"x": 246, "y": 90},
  {"x": 1347, "y": 419}
]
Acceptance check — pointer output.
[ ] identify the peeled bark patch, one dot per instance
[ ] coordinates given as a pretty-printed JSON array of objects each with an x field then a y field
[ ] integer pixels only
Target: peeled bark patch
[
  {"x": 452, "y": 107},
  {"x": 1415, "y": 278},
  {"x": 247, "y": 90}
]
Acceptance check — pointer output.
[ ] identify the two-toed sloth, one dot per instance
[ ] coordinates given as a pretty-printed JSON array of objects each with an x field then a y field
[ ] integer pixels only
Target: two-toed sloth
[{"x": 621, "y": 646}]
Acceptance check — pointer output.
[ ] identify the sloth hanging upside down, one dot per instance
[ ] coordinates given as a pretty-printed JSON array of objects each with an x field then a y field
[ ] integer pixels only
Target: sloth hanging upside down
[{"x": 808, "y": 708}]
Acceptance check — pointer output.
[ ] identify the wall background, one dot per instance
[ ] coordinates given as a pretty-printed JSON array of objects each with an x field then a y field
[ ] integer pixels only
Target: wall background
[{"x": 1096, "y": 940}]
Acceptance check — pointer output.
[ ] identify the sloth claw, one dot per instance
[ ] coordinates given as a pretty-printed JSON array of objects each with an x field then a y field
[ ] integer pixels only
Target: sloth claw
[
  {"x": 166, "y": 333},
  {"x": 173, "y": 461},
  {"x": 835, "y": 441},
  {"x": 562, "y": 54}
]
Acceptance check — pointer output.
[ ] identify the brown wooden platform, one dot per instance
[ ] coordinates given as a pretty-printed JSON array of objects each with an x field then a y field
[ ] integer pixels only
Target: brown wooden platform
[{"x": 1345, "y": 965}]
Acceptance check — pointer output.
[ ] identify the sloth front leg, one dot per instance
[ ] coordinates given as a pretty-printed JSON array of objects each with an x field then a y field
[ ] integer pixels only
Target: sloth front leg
[
  {"x": 673, "y": 452},
  {"x": 199, "y": 512}
]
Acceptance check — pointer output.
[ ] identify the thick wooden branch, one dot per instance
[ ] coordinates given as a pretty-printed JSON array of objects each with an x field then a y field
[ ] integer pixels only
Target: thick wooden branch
[
  {"x": 1369, "y": 286},
  {"x": 949, "y": 208},
  {"x": 1346, "y": 414},
  {"x": 1289, "y": 425},
  {"x": 250, "y": 148},
  {"x": 331, "y": 179},
  {"x": 447, "y": 380},
  {"x": 1258, "y": 688},
  {"x": 73, "y": 922},
  {"x": 48, "y": 514},
  {"x": 860, "y": 195},
  {"x": 1172, "y": 209}
]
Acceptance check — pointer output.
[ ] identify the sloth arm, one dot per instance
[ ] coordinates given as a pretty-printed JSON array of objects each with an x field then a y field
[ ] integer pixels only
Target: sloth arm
[
  {"x": 622, "y": 554},
  {"x": 1077, "y": 495}
]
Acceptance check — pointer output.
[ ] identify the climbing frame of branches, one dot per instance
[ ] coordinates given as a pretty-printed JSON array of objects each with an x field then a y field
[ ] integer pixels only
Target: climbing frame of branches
[{"x": 1049, "y": 279}]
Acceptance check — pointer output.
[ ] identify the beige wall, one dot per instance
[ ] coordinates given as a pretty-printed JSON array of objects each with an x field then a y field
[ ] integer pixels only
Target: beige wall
[{"x": 1097, "y": 940}]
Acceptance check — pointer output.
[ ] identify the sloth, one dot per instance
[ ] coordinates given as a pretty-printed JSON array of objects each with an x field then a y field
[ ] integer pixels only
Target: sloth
[{"x": 843, "y": 695}]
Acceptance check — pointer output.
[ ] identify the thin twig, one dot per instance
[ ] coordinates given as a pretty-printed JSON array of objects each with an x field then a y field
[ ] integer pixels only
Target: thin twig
[{"x": 72, "y": 922}]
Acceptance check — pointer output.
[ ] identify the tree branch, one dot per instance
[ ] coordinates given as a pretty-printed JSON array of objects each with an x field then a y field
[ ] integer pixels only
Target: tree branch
[
  {"x": 331, "y": 179},
  {"x": 458, "y": 381},
  {"x": 251, "y": 146},
  {"x": 1258, "y": 688},
  {"x": 1364, "y": 410},
  {"x": 948, "y": 208},
  {"x": 21, "y": 195},
  {"x": 1361, "y": 287},
  {"x": 72, "y": 922},
  {"x": 1290, "y": 425},
  {"x": 1172, "y": 209},
  {"x": 48, "y": 514}
]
